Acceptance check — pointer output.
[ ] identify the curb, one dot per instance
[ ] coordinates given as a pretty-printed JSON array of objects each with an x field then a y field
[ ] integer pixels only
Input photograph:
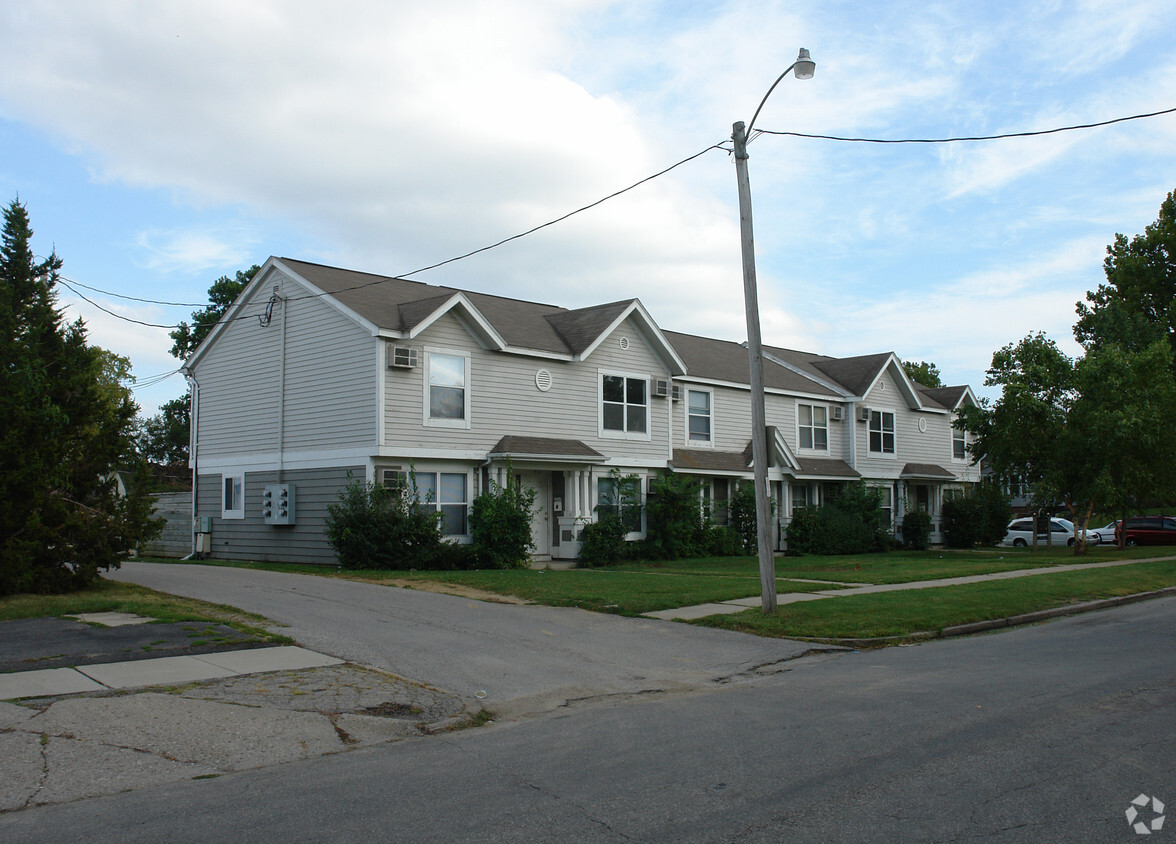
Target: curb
[{"x": 997, "y": 623}]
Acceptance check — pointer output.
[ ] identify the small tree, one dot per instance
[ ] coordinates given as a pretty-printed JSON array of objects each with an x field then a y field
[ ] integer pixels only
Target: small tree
[
  {"x": 741, "y": 515},
  {"x": 675, "y": 523},
  {"x": 500, "y": 522},
  {"x": 850, "y": 522},
  {"x": 916, "y": 529}
]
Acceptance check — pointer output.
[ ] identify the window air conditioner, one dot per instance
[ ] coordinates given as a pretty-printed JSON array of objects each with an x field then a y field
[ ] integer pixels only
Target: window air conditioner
[
  {"x": 677, "y": 393},
  {"x": 863, "y": 414},
  {"x": 837, "y": 413},
  {"x": 661, "y": 387},
  {"x": 403, "y": 357}
]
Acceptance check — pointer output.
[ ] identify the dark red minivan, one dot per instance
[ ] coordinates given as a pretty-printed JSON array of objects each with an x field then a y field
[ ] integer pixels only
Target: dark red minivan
[{"x": 1148, "y": 530}]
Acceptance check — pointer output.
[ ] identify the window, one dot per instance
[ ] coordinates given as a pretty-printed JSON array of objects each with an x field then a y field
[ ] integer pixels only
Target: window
[
  {"x": 620, "y": 497},
  {"x": 881, "y": 432},
  {"x": 447, "y": 397},
  {"x": 800, "y": 496},
  {"x": 233, "y": 497},
  {"x": 448, "y": 493},
  {"x": 959, "y": 444},
  {"x": 698, "y": 416},
  {"x": 814, "y": 426},
  {"x": 625, "y": 404}
]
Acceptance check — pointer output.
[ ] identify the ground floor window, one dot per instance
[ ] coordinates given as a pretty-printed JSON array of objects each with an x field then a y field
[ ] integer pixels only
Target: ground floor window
[
  {"x": 800, "y": 496},
  {"x": 620, "y": 497},
  {"x": 233, "y": 497},
  {"x": 445, "y": 492}
]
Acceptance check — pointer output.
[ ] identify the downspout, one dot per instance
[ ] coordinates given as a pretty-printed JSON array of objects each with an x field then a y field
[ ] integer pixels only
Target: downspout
[
  {"x": 193, "y": 447},
  {"x": 282, "y": 395}
]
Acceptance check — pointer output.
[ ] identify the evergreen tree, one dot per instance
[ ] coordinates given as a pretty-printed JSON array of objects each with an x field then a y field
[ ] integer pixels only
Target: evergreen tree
[{"x": 68, "y": 428}]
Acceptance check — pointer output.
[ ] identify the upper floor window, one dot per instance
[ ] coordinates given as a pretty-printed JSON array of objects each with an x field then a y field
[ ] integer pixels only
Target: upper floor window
[
  {"x": 813, "y": 421},
  {"x": 624, "y": 404},
  {"x": 233, "y": 497},
  {"x": 447, "y": 396},
  {"x": 698, "y": 416},
  {"x": 881, "y": 432},
  {"x": 959, "y": 444}
]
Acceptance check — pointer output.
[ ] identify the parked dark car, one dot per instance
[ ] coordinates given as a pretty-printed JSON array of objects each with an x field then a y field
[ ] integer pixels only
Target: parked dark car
[{"x": 1148, "y": 530}]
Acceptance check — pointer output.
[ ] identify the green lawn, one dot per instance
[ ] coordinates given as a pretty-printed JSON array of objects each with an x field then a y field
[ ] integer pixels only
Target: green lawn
[
  {"x": 901, "y": 613},
  {"x": 639, "y": 587}
]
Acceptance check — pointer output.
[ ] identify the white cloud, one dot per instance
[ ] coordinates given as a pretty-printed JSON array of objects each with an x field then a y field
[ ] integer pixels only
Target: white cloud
[{"x": 191, "y": 251}]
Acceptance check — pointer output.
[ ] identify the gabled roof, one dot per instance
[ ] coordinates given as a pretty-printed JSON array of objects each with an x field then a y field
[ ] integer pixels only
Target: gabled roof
[
  {"x": 405, "y": 308},
  {"x": 950, "y": 397},
  {"x": 724, "y": 360},
  {"x": 546, "y": 448}
]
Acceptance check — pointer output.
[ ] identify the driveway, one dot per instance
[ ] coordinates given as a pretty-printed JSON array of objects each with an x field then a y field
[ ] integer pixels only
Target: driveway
[{"x": 516, "y": 659}]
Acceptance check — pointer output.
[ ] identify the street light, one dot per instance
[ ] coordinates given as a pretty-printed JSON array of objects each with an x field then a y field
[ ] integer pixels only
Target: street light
[{"x": 802, "y": 68}]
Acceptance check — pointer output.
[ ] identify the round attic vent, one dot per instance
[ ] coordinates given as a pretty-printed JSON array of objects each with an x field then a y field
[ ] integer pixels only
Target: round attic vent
[
  {"x": 543, "y": 380},
  {"x": 922, "y": 425},
  {"x": 625, "y": 343}
]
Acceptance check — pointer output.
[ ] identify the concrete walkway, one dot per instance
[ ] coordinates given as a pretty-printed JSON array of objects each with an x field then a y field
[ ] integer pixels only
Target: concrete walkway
[{"x": 835, "y": 591}]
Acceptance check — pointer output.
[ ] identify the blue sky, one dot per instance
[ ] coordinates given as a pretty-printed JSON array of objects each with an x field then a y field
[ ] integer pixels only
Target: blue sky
[{"x": 159, "y": 145}]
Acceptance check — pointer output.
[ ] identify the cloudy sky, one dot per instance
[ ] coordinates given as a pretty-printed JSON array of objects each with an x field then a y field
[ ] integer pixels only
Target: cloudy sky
[{"x": 161, "y": 144}]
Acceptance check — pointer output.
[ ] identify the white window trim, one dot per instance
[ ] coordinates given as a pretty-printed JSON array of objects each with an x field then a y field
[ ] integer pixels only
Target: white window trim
[
  {"x": 814, "y": 406},
  {"x": 641, "y": 493},
  {"x": 961, "y": 435},
  {"x": 892, "y": 455},
  {"x": 428, "y": 420},
  {"x": 686, "y": 421},
  {"x": 437, "y": 470},
  {"x": 237, "y": 512},
  {"x": 623, "y": 435}
]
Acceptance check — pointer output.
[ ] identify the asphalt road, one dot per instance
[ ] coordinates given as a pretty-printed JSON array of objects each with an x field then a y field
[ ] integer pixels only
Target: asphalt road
[
  {"x": 523, "y": 658},
  {"x": 1043, "y": 733}
]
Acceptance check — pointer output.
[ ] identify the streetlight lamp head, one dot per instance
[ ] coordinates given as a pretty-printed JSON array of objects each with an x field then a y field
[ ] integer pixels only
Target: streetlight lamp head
[{"x": 805, "y": 67}]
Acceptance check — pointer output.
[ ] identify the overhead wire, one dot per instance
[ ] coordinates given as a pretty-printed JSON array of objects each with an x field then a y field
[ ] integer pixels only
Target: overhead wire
[{"x": 717, "y": 146}]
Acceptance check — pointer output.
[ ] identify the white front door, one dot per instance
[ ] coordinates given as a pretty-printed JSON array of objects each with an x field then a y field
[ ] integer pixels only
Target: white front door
[{"x": 541, "y": 515}]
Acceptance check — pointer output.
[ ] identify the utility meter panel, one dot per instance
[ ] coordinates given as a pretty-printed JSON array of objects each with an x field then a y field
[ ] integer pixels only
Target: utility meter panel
[{"x": 277, "y": 504}]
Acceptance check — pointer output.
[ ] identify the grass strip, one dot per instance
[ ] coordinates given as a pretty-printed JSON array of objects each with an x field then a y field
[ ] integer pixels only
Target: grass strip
[
  {"x": 114, "y": 596},
  {"x": 904, "y": 612}
]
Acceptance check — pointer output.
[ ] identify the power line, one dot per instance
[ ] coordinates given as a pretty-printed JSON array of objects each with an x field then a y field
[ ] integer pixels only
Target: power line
[
  {"x": 973, "y": 138},
  {"x": 614, "y": 195}
]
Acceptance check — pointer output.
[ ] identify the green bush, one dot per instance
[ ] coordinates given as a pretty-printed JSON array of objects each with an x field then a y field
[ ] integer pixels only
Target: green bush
[
  {"x": 675, "y": 525},
  {"x": 741, "y": 515},
  {"x": 850, "y": 522},
  {"x": 976, "y": 515},
  {"x": 373, "y": 527},
  {"x": 602, "y": 542},
  {"x": 916, "y": 530},
  {"x": 500, "y": 523}
]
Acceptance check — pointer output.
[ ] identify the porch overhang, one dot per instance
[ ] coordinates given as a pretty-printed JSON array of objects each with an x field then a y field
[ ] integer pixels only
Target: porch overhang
[
  {"x": 926, "y": 472},
  {"x": 704, "y": 461},
  {"x": 825, "y": 469},
  {"x": 545, "y": 450}
]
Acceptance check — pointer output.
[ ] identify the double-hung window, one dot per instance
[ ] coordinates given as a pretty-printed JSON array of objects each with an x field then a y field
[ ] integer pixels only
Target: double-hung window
[
  {"x": 620, "y": 497},
  {"x": 698, "y": 416},
  {"x": 959, "y": 444},
  {"x": 624, "y": 405},
  {"x": 233, "y": 497},
  {"x": 881, "y": 432},
  {"x": 813, "y": 422},
  {"x": 448, "y": 493},
  {"x": 447, "y": 394}
]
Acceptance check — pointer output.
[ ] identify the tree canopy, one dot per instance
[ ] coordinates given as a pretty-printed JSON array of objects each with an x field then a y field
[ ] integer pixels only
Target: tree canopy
[
  {"x": 924, "y": 372},
  {"x": 68, "y": 429}
]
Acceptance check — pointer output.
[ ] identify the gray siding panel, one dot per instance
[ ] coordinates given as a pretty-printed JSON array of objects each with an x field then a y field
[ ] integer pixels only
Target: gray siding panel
[
  {"x": 252, "y": 539},
  {"x": 330, "y": 378}
]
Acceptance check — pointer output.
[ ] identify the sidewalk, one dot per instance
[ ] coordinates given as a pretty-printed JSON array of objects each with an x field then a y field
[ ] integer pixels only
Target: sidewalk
[
  {"x": 741, "y": 604},
  {"x": 100, "y": 728}
]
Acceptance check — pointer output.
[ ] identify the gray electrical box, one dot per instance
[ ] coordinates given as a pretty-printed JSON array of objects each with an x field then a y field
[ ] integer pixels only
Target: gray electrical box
[{"x": 277, "y": 504}]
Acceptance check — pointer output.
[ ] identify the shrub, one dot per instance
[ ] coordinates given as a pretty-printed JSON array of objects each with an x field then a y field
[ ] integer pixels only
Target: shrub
[
  {"x": 500, "y": 523},
  {"x": 674, "y": 521},
  {"x": 741, "y": 515},
  {"x": 916, "y": 530},
  {"x": 373, "y": 527},
  {"x": 850, "y": 522},
  {"x": 602, "y": 542},
  {"x": 976, "y": 515}
]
